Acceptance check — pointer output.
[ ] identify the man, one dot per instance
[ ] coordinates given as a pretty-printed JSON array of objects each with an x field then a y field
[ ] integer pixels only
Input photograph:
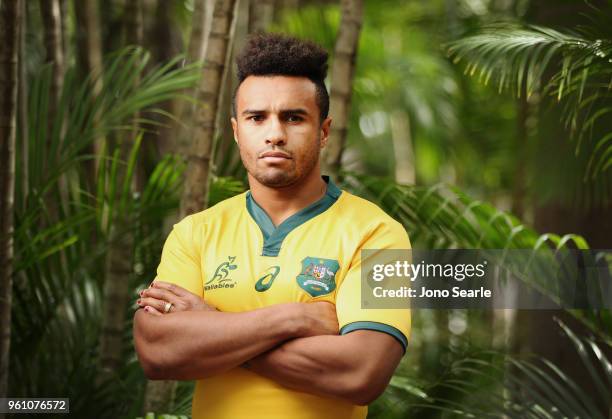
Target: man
[{"x": 258, "y": 297}]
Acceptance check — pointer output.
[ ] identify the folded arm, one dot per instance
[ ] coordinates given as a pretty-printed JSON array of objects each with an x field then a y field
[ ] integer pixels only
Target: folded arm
[
  {"x": 198, "y": 343},
  {"x": 356, "y": 367},
  {"x": 195, "y": 344}
]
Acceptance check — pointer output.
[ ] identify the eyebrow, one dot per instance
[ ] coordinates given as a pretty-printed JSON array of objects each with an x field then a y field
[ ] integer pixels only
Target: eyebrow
[{"x": 297, "y": 111}]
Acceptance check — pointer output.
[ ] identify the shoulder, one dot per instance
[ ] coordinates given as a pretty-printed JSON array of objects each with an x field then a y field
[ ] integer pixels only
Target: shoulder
[
  {"x": 193, "y": 226},
  {"x": 365, "y": 212},
  {"x": 368, "y": 218},
  {"x": 221, "y": 210}
]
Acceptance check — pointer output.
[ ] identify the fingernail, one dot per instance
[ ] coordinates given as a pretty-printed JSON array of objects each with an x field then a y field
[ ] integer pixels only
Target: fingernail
[
  {"x": 146, "y": 308},
  {"x": 141, "y": 292},
  {"x": 138, "y": 302}
]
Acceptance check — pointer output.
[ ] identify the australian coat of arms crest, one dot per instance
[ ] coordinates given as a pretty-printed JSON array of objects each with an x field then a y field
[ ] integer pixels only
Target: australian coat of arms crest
[{"x": 318, "y": 276}]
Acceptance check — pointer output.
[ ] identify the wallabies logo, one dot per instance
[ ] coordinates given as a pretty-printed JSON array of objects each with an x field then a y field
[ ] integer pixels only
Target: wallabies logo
[{"x": 221, "y": 277}]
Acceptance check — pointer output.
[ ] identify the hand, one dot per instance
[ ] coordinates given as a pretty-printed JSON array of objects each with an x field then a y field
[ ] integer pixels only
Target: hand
[
  {"x": 319, "y": 318},
  {"x": 154, "y": 299}
]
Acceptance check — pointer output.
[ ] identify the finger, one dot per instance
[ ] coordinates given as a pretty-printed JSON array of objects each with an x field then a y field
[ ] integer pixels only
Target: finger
[
  {"x": 160, "y": 305},
  {"x": 152, "y": 302},
  {"x": 162, "y": 294},
  {"x": 173, "y": 288},
  {"x": 153, "y": 311}
]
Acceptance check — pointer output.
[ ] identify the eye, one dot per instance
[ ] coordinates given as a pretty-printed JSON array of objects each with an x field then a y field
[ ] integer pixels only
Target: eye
[
  {"x": 294, "y": 118},
  {"x": 256, "y": 118}
]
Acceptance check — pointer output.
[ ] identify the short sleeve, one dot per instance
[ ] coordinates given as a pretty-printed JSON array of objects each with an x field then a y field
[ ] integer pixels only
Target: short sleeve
[
  {"x": 180, "y": 259},
  {"x": 351, "y": 316}
]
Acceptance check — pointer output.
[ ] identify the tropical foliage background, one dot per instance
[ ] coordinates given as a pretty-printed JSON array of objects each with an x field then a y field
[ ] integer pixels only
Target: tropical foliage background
[{"x": 475, "y": 123}]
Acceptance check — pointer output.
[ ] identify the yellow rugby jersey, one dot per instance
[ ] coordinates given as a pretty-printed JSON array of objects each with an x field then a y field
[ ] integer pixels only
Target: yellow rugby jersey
[{"x": 236, "y": 259}]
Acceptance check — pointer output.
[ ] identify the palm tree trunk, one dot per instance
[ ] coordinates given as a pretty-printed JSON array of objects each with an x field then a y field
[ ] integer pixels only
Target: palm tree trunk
[
  {"x": 198, "y": 35},
  {"x": 505, "y": 321},
  {"x": 225, "y": 151},
  {"x": 200, "y": 24},
  {"x": 200, "y": 27},
  {"x": 119, "y": 257},
  {"x": 162, "y": 43},
  {"x": 158, "y": 396},
  {"x": 133, "y": 29},
  {"x": 10, "y": 22},
  {"x": 118, "y": 271},
  {"x": 133, "y": 22},
  {"x": 261, "y": 14},
  {"x": 52, "y": 34},
  {"x": 64, "y": 29},
  {"x": 89, "y": 56},
  {"x": 195, "y": 193},
  {"x": 112, "y": 26},
  {"x": 345, "y": 53},
  {"x": 52, "y": 28},
  {"x": 402, "y": 148},
  {"x": 116, "y": 292},
  {"x": 23, "y": 108}
]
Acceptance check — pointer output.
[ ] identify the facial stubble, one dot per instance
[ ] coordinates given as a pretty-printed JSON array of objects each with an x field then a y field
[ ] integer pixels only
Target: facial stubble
[{"x": 277, "y": 178}]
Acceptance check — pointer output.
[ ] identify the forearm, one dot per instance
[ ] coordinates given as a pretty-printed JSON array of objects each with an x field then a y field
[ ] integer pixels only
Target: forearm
[
  {"x": 196, "y": 344},
  {"x": 299, "y": 365},
  {"x": 339, "y": 366}
]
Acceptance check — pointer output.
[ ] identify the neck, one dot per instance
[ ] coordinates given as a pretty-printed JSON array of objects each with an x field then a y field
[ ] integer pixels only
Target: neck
[{"x": 281, "y": 203}]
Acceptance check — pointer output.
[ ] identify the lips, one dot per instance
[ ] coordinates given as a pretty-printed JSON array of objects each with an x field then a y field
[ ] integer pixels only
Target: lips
[{"x": 274, "y": 154}]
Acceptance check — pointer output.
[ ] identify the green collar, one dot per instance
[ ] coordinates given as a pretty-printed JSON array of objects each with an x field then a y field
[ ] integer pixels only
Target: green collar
[{"x": 274, "y": 236}]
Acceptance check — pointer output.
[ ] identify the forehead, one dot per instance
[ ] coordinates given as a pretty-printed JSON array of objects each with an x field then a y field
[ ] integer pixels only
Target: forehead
[{"x": 275, "y": 93}]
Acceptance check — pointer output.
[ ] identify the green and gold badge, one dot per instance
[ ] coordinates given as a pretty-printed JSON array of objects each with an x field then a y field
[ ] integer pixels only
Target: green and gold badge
[{"x": 318, "y": 276}]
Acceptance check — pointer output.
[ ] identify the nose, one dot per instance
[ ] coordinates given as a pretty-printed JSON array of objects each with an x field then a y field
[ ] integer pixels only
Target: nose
[{"x": 276, "y": 134}]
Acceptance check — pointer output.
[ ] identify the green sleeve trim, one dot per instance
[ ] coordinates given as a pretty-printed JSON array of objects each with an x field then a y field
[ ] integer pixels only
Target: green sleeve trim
[{"x": 379, "y": 327}]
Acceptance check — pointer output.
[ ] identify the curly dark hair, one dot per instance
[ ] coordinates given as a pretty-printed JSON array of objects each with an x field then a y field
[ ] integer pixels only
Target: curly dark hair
[{"x": 268, "y": 54}]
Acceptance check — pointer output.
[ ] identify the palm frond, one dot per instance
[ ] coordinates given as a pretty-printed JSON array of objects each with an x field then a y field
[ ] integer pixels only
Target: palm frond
[
  {"x": 574, "y": 68},
  {"x": 59, "y": 260},
  {"x": 490, "y": 384}
]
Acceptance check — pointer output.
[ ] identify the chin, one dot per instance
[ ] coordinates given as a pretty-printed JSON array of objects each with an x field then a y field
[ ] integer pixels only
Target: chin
[{"x": 277, "y": 179}]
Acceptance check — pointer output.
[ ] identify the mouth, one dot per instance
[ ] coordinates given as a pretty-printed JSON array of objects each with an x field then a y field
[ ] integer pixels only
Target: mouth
[{"x": 274, "y": 156}]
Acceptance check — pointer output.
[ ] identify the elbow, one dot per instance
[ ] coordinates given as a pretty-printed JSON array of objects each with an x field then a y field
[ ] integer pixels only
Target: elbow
[
  {"x": 150, "y": 364},
  {"x": 159, "y": 364},
  {"x": 152, "y": 368},
  {"x": 150, "y": 371},
  {"x": 149, "y": 356},
  {"x": 154, "y": 364},
  {"x": 365, "y": 395},
  {"x": 157, "y": 369},
  {"x": 366, "y": 387}
]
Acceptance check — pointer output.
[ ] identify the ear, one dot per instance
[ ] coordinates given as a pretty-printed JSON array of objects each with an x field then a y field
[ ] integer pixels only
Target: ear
[
  {"x": 325, "y": 129},
  {"x": 235, "y": 129}
]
